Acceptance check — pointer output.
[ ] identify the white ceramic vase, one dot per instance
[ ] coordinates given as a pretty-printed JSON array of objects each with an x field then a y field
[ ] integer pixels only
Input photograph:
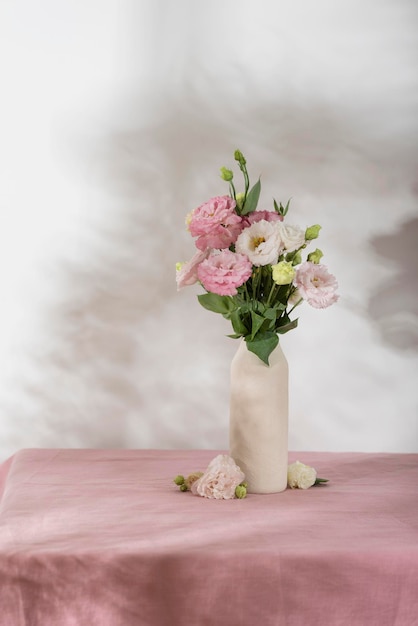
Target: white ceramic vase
[{"x": 258, "y": 435}]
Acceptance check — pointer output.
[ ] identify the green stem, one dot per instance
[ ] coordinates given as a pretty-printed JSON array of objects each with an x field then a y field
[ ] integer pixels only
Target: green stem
[
  {"x": 247, "y": 182},
  {"x": 246, "y": 179},
  {"x": 273, "y": 287},
  {"x": 257, "y": 275},
  {"x": 295, "y": 305},
  {"x": 246, "y": 292},
  {"x": 232, "y": 190}
]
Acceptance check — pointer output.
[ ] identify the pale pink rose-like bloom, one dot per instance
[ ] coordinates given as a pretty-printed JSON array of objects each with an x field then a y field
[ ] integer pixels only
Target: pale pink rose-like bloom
[
  {"x": 187, "y": 274},
  {"x": 222, "y": 272},
  {"x": 269, "y": 216},
  {"x": 300, "y": 476},
  {"x": 220, "y": 479},
  {"x": 316, "y": 285},
  {"x": 215, "y": 223},
  {"x": 261, "y": 243},
  {"x": 293, "y": 237}
]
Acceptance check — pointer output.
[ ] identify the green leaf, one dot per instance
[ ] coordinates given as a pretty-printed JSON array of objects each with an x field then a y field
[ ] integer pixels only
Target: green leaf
[
  {"x": 251, "y": 201},
  {"x": 286, "y": 208},
  {"x": 237, "y": 323},
  {"x": 271, "y": 314},
  {"x": 257, "y": 306},
  {"x": 263, "y": 345},
  {"x": 270, "y": 318},
  {"x": 217, "y": 304},
  {"x": 284, "y": 328},
  {"x": 256, "y": 323},
  {"x": 280, "y": 306},
  {"x": 319, "y": 481},
  {"x": 235, "y": 336},
  {"x": 280, "y": 209}
]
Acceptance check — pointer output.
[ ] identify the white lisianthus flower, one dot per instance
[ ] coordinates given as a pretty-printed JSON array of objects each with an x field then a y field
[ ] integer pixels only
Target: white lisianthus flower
[
  {"x": 300, "y": 476},
  {"x": 261, "y": 243},
  {"x": 293, "y": 237}
]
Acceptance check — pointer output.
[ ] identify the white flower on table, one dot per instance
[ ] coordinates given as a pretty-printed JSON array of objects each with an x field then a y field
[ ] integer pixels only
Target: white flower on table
[{"x": 300, "y": 476}]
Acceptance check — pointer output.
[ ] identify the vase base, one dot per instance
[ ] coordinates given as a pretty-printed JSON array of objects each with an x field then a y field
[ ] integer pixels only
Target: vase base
[
  {"x": 262, "y": 477},
  {"x": 264, "y": 492}
]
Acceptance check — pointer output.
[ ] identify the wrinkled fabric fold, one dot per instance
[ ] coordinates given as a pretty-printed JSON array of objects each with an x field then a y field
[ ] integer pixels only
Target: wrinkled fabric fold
[{"x": 104, "y": 537}]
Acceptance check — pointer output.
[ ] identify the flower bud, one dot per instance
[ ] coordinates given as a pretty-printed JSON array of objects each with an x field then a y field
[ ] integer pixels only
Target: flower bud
[
  {"x": 297, "y": 259},
  {"x": 316, "y": 256},
  {"x": 239, "y": 198},
  {"x": 238, "y": 156},
  {"x": 283, "y": 273},
  {"x": 226, "y": 174},
  {"x": 192, "y": 478},
  {"x": 179, "y": 480},
  {"x": 240, "y": 492},
  {"x": 183, "y": 487},
  {"x": 312, "y": 232}
]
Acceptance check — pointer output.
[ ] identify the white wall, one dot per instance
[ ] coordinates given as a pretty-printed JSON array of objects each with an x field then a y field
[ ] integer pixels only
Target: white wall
[{"x": 115, "y": 116}]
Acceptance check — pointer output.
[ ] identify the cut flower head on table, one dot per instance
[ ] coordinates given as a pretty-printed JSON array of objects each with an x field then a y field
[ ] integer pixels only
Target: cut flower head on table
[{"x": 250, "y": 263}]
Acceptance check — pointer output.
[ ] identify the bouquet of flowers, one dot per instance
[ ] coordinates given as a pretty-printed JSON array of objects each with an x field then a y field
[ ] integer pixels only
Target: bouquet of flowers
[{"x": 250, "y": 264}]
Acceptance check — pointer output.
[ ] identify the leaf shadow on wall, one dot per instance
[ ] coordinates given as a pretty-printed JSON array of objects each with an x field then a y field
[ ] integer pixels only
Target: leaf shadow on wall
[
  {"x": 129, "y": 362},
  {"x": 394, "y": 305}
]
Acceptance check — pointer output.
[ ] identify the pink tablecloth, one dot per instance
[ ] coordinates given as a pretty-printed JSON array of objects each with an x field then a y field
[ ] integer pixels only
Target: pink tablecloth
[{"x": 104, "y": 538}]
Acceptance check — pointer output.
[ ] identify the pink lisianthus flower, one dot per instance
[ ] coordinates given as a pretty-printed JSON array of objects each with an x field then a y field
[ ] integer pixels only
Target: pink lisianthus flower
[
  {"x": 186, "y": 274},
  {"x": 220, "y": 479},
  {"x": 316, "y": 285},
  {"x": 222, "y": 272},
  {"x": 268, "y": 216},
  {"x": 215, "y": 223}
]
